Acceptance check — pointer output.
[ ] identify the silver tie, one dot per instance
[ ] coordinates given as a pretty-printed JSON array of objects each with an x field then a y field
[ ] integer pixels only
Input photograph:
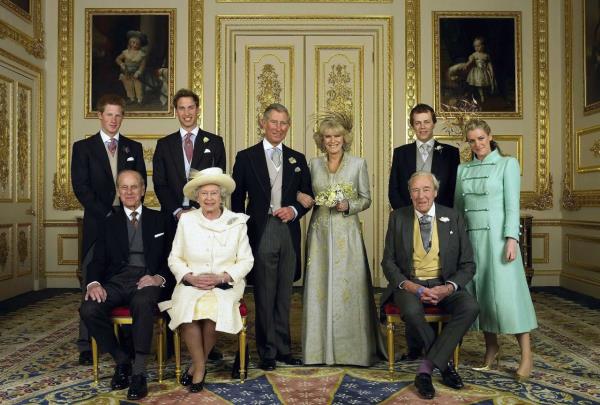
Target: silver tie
[
  {"x": 276, "y": 157},
  {"x": 425, "y": 226}
]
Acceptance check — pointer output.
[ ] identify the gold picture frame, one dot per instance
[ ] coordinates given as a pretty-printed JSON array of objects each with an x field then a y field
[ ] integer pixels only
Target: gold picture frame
[
  {"x": 475, "y": 62},
  {"x": 31, "y": 13},
  {"x": 591, "y": 56},
  {"x": 23, "y": 8},
  {"x": 129, "y": 52}
]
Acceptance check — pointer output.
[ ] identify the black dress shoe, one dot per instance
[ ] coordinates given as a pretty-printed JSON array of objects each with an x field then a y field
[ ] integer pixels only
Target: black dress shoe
[
  {"x": 289, "y": 360},
  {"x": 424, "y": 386},
  {"x": 186, "y": 378},
  {"x": 410, "y": 356},
  {"x": 120, "y": 378},
  {"x": 267, "y": 364},
  {"x": 215, "y": 355},
  {"x": 85, "y": 358},
  {"x": 451, "y": 378},
  {"x": 138, "y": 388},
  {"x": 199, "y": 386}
]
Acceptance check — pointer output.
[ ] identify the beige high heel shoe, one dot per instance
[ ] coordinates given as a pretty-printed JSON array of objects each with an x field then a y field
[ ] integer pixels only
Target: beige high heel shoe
[
  {"x": 489, "y": 365},
  {"x": 520, "y": 378},
  {"x": 523, "y": 377}
]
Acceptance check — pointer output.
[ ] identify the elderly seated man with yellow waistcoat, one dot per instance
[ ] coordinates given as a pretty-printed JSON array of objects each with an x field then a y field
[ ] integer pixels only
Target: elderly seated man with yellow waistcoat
[{"x": 428, "y": 260}]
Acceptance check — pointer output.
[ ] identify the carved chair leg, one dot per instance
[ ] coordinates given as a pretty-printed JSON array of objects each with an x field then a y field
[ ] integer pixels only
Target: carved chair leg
[
  {"x": 177, "y": 348},
  {"x": 390, "y": 343},
  {"x": 95, "y": 360}
]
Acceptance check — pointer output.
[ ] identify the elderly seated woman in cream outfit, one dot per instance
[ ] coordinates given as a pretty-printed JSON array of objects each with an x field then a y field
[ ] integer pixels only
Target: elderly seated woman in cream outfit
[{"x": 210, "y": 258}]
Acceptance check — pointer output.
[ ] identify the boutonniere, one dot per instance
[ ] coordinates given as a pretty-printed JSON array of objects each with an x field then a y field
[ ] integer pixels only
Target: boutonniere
[
  {"x": 126, "y": 150},
  {"x": 297, "y": 170},
  {"x": 205, "y": 139},
  {"x": 292, "y": 161},
  {"x": 439, "y": 148},
  {"x": 444, "y": 219}
]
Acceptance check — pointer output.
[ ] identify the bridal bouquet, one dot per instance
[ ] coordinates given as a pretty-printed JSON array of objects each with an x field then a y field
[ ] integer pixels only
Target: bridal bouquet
[{"x": 334, "y": 194}]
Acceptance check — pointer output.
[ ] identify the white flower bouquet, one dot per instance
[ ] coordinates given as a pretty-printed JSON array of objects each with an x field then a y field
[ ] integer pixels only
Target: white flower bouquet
[{"x": 334, "y": 194}]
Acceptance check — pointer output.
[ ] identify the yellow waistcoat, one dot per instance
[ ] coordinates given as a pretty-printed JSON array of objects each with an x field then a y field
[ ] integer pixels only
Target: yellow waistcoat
[{"x": 427, "y": 264}]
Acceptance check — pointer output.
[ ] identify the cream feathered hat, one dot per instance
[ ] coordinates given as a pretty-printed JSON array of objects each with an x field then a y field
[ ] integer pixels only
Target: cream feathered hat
[{"x": 212, "y": 175}]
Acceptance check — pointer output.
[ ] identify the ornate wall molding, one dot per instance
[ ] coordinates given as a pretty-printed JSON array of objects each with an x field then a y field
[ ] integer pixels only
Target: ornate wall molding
[
  {"x": 6, "y": 99},
  {"x": 23, "y": 156},
  {"x": 269, "y": 88},
  {"x": 24, "y": 263},
  {"x": 63, "y": 197},
  {"x": 339, "y": 93},
  {"x": 306, "y": 1},
  {"x": 542, "y": 198},
  {"x": 411, "y": 53},
  {"x": 545, "y": 237},
  {"x": 33, "y": 44},
  {"x": 196, "y": 41}
]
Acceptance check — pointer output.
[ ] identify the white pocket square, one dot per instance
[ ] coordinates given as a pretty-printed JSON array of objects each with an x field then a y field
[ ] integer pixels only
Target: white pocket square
[
  {"x": 206, "y": 150},
  {"x": 130, "y": 159},
  {"x": 158, "y": 235}
]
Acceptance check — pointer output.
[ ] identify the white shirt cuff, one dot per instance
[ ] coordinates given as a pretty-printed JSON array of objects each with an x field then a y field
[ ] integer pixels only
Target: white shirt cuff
[
  {"x": 454, "y": 284},
  {"x": 163, "y": 280}
]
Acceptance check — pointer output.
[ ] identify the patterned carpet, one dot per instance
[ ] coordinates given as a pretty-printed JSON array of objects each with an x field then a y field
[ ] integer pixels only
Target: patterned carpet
[{"x": 38, "y": 365}]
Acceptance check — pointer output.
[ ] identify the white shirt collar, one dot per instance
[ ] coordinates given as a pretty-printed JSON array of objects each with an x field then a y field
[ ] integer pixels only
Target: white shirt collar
[
  {"x": 431, "y": 212},
  {"x": 106, "y": 138},
  {"x": 267, "y": 145},
  {"x": 128, "y": 212},
  {"x": 194, "y": 132},
  {"x": 430, "y": 142}
]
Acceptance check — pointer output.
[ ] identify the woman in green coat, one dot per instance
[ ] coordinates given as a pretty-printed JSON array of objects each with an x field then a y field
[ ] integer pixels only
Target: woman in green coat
[{"x": 488, "y": 192}]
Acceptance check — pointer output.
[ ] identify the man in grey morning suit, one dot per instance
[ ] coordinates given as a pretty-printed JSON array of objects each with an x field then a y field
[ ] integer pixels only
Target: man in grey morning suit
[
  {"x": 428, "y": 260},
  {"x": 270, "y": 174}
]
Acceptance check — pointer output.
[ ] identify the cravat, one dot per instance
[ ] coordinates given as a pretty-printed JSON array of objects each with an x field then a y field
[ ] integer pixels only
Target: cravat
[
  {"x": 134, "y": 220},
  {"x": 276, "y": 157},
  {"x": 188, "y": 147},
  {"x": 425, "y": 149},
  {"x": 111, "y": 145},
  {"x": 425, "y": 225}
]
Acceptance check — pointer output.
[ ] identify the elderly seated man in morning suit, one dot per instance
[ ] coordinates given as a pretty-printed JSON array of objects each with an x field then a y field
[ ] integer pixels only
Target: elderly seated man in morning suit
[
  {"x": 129, "y": 269},
  {"x": 428, "y": 260}
]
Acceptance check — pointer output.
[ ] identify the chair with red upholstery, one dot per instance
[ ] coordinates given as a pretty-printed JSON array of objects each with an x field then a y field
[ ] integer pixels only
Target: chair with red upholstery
[
  {"x": 122, "y": 316},
  {"x": 241, "y": 341},
  {"x": 432, "y": 314}
]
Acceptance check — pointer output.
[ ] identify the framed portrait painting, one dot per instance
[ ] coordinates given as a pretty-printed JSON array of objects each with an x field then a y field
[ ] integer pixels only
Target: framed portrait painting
[
  {"x": 478, "y": 62},
  {"x": 130, "y": 52},
  {"x": 22, "y": 8},
  {"x": 591, "y": 38}
]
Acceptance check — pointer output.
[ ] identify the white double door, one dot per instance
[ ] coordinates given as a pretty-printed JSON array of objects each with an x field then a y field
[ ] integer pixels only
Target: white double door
[{"x": 308, "y": 74}]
